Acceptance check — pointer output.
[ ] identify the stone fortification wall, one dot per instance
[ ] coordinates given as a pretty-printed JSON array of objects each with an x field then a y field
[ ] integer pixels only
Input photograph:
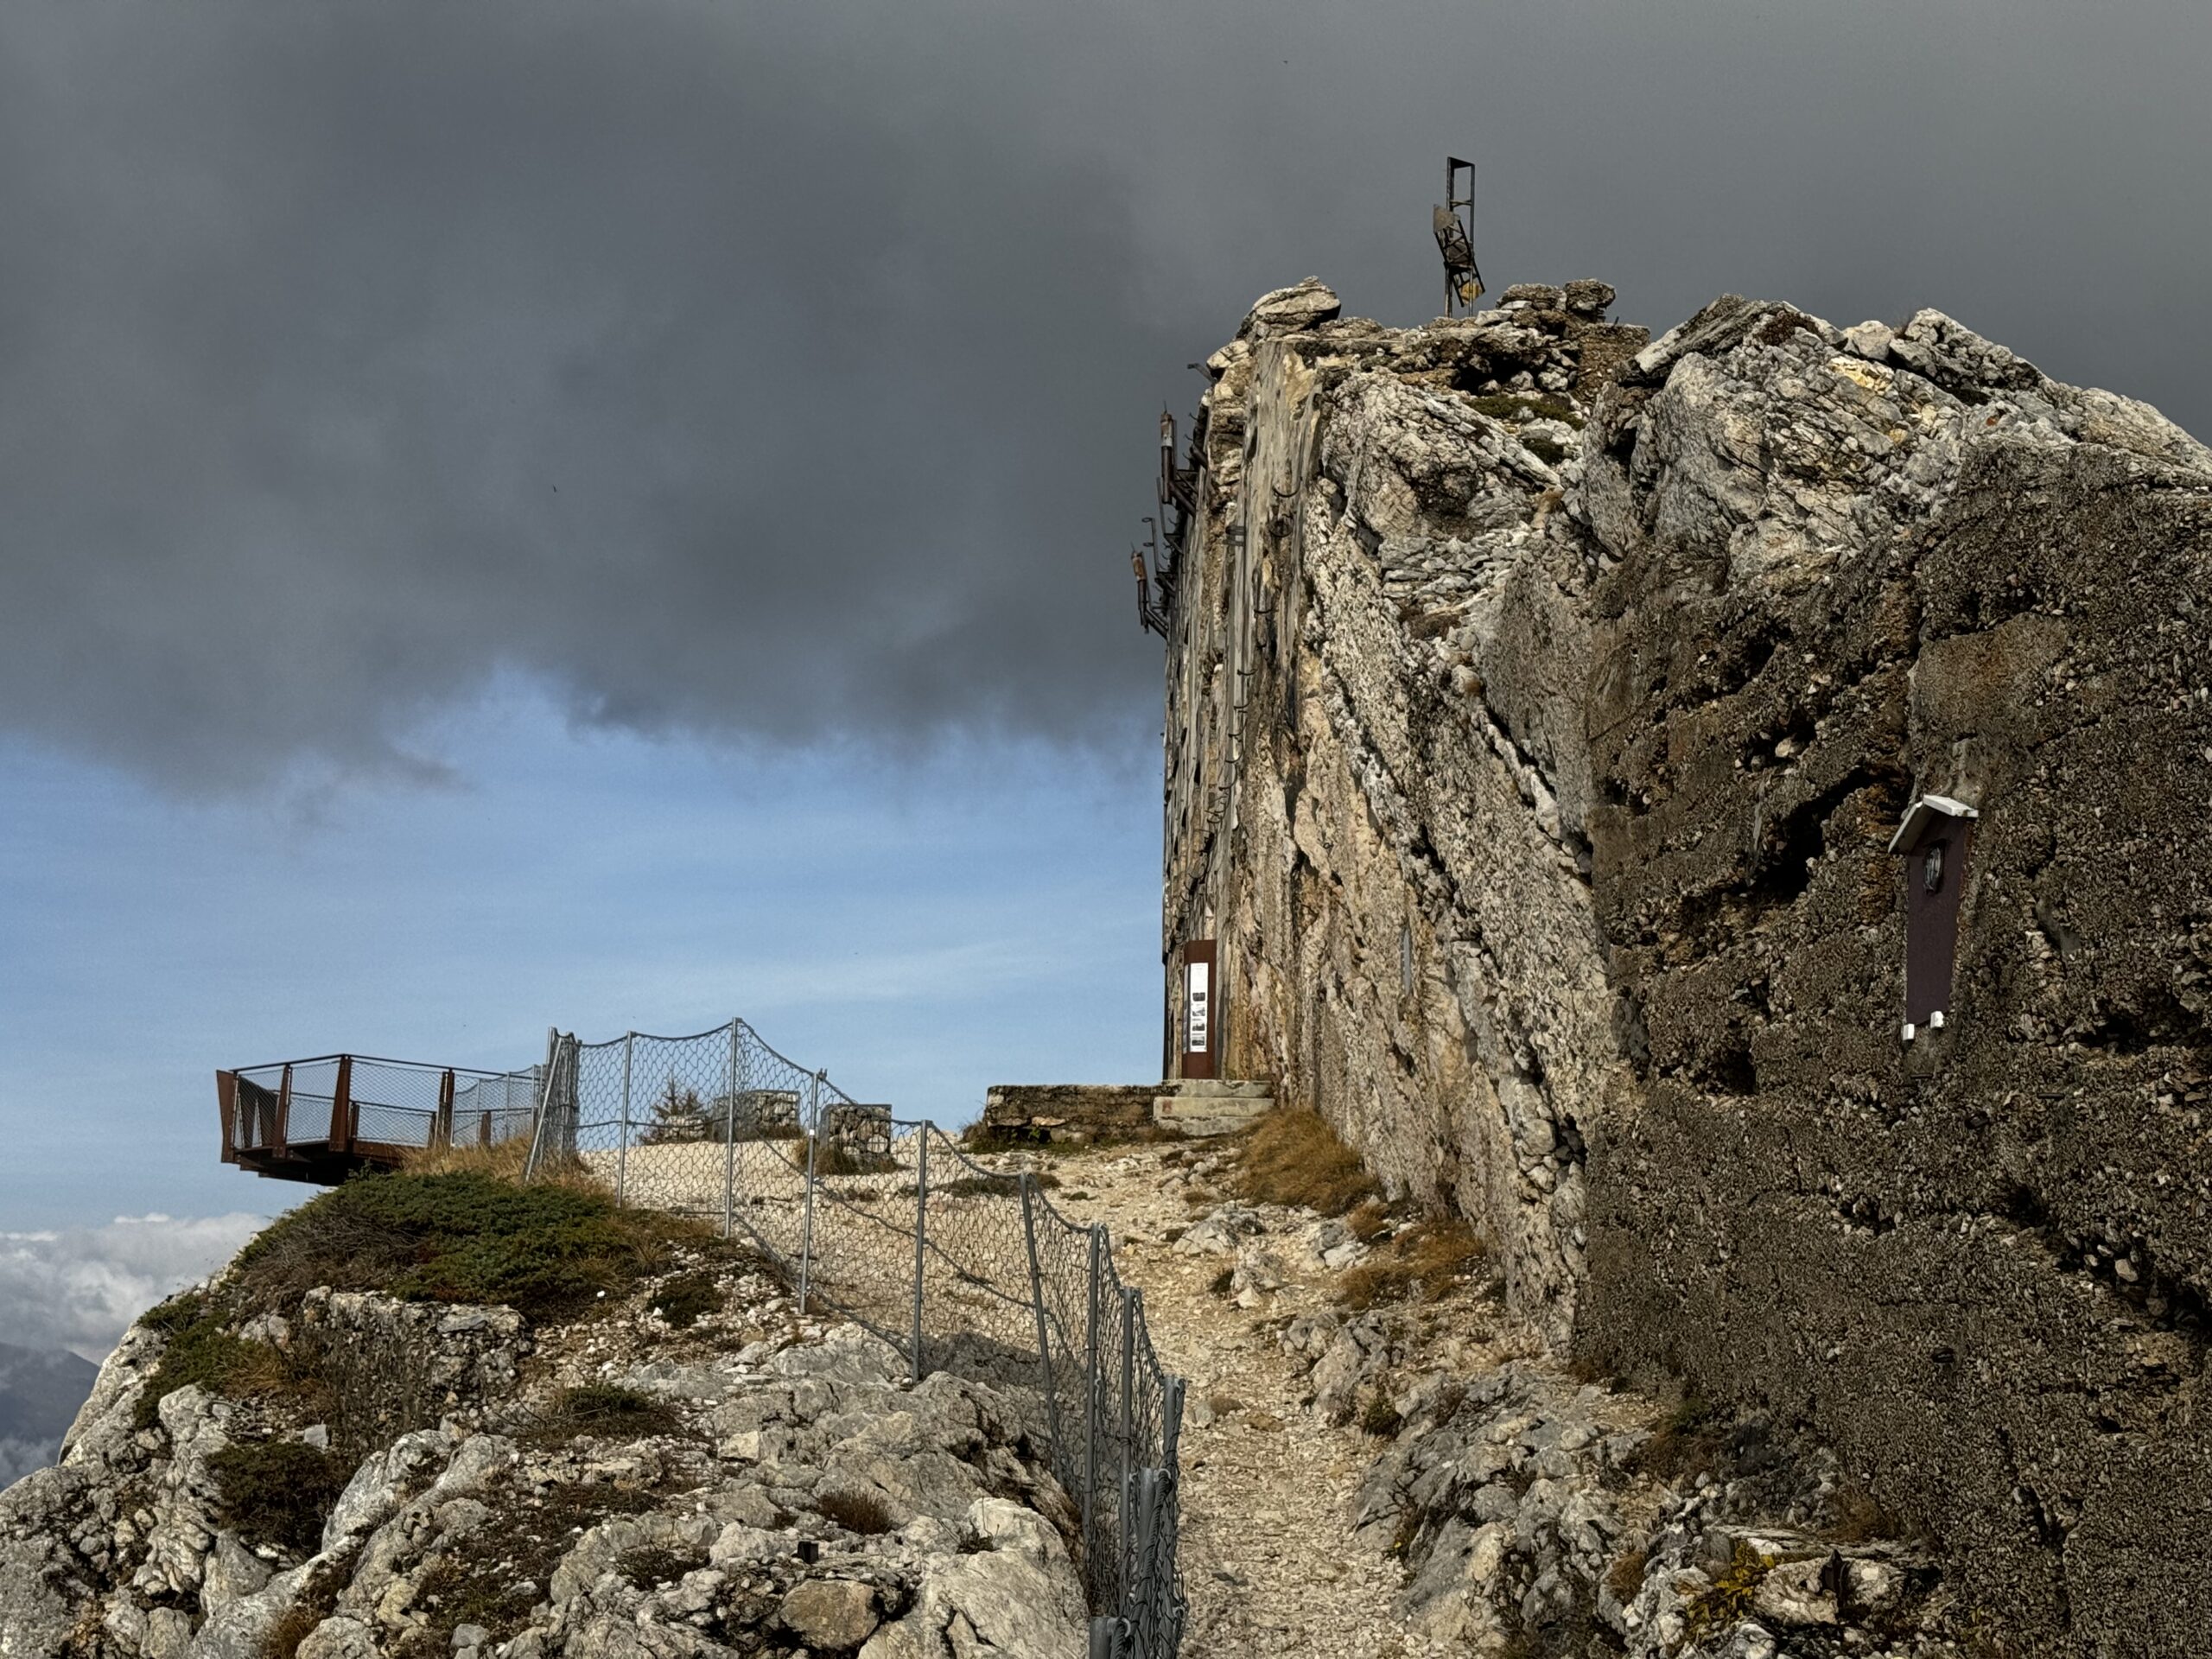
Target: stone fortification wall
[{"x": 1540, "y": 705}]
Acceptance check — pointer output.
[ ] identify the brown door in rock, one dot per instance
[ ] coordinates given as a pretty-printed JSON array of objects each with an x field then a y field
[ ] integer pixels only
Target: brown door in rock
[{"x": 1201, "y": 1010}]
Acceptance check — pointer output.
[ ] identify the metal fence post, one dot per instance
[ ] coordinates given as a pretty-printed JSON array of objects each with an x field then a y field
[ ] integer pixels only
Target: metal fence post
[
  {"x": 921, "y": 1237},
  {"x": 1129, "y": 1434},
  {"x": 729, "y": 1142},
  {"x": 1037, "y": 1301},
  {"x": 1096, "y": 1383},
  {"x": 622, "y": 1153},
  {"x": 544, "y": 1104},
  {"x": 806, "y": 1229},
  {"x": 441, "y": 1125},
  {"x": 1142, "y": 1582}
]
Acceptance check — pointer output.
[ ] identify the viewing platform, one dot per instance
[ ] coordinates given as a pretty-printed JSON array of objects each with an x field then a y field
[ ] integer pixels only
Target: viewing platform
[{"x": 320, "y": 1120}]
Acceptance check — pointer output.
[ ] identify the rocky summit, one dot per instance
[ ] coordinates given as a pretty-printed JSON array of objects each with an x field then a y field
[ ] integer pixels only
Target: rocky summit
[{"x": 1724, "y": 814}]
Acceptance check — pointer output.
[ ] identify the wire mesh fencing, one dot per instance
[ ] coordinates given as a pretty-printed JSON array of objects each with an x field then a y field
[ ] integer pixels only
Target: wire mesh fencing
[{"x": 959, "y": 1265}]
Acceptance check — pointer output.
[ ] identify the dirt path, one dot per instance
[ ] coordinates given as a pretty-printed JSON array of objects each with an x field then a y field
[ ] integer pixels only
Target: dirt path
[{"x": 1269, "y": 1561}]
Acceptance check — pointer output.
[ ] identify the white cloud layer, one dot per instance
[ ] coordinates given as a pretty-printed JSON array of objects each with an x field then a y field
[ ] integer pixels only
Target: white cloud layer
[{"x": 80, "y": 1288}]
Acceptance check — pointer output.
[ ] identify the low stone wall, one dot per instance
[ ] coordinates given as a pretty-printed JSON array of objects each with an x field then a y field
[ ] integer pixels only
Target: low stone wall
[
  {"x": 1066, "y": 1111},
  {"x": 1086, "y": 1111}
]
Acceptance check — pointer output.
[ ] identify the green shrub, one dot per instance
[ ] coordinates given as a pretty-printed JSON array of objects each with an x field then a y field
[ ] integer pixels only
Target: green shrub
[
  {"x": 198, "y": 1351},
  {"x": 686, "y": 1298},
  {"x": 461, "y": 1235},
  {"x": 1517, "y": 406},
  {"x": 277, "y": 1492}
]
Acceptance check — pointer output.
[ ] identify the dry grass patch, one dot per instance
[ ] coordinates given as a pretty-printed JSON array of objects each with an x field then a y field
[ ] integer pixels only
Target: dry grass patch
[
  {"x": 1369, "y": 1221},
  {"x": 1692, "y": 1441},
  {"x": 298, "y": 1623},
  {"x": 1424, "y": 1263},
  {"x": 601, "y": 1408},
  {"x": 857, "y": 1511},
  {"x": 503, "y": 1161},
  {"x": 1296, "y": 1158}
]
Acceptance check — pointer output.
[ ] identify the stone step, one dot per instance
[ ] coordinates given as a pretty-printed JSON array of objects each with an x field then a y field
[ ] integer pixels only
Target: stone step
[{"x": 1207, "y": 1107}]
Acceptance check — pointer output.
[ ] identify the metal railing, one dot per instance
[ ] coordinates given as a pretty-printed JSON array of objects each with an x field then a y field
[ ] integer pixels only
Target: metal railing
[
  {"x": 959, "y": 1265},
  {"x": 358, "y": 1103}
]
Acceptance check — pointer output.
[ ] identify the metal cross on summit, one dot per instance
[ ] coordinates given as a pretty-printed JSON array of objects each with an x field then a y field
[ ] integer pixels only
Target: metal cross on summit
[{"x": 1455, "y": 239}]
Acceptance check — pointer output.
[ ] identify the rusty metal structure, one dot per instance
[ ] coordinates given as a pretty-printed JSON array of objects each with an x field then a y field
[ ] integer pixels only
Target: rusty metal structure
[
  {"x": 1455, "y": 238},
  {"x": 323, "y": 1119},
  {"x": 1177, "y": 492}
]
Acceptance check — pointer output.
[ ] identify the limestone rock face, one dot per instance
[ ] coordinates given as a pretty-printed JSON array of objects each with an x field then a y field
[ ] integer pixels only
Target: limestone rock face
[
  {"x": 1542, "y": 700},
  {"x": 783, "y": 1489}
]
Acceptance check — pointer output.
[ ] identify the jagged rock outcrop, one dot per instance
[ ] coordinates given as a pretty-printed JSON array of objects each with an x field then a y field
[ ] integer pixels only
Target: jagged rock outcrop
[
  {"x": 1541, "y": 701},
  {"x": 606, "y": 1488}
]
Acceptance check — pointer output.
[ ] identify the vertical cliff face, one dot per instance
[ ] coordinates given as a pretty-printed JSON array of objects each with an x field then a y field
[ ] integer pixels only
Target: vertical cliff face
[
  {"x": 1381, "y": 790},
  {"x": 1542, "y": 703}
]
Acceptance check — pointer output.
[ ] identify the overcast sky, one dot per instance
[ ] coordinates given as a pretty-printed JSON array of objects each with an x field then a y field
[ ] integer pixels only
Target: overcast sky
[{"x": 433, "y": 429}]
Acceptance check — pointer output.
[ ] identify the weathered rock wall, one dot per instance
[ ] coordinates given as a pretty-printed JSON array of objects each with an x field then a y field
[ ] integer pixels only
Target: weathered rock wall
[{"x": 1539, "y": 714}]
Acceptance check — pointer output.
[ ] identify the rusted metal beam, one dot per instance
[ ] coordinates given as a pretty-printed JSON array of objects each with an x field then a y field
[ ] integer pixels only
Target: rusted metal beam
[
  {"x": 227, "y": 1102},
  {"x": 277, "y": 1146},
  {"x": 441, "y": 1125},
  {"x": 342, "y": 1107}
]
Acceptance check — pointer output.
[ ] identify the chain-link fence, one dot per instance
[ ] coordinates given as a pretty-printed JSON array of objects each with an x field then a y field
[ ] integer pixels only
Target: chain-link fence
[{"x": 959, "y": 1265}]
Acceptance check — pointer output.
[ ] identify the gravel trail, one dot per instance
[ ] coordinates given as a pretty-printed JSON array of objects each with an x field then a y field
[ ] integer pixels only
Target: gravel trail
[{"x": 1268, "y": 1561}]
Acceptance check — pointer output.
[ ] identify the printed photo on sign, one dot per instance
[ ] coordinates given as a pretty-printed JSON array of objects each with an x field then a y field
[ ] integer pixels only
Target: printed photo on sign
[{"x": 1195, "y": 1007}]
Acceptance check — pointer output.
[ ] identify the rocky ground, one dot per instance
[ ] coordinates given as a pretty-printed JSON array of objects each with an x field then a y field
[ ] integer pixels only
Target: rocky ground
[
  {"x": 1415, "y": 1477},
  {"x": 658, "y": 1478},
  {"x": 1375, "y": 1467}
]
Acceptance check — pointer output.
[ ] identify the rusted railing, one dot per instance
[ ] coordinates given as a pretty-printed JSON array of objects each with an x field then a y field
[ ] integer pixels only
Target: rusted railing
[{"x": 314, "y": 1120}]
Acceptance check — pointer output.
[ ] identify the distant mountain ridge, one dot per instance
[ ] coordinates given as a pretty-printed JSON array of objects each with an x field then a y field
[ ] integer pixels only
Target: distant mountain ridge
[{"x": 40, "y": 1392}]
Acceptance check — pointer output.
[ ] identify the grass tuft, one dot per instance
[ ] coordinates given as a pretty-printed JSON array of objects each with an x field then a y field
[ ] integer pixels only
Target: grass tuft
[
  {"x": 1424, "y": 1263},
  {"x": 1296, "y": 1158},
  {"x": 988, "y": 1186},
  {"x": 1625, "y": 1578},
  {"x": 1688, "y": 1443},
  {"x": 1380, "y": 1417},
  {"x": 855, "y": 1512},
  {"x": 653, "y": 1565},
  {"x": 298, "y": 1623},
  {"x": 603, "y": 1408}
]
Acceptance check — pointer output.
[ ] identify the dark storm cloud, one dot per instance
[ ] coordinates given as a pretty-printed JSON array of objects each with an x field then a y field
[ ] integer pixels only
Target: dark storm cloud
[{"x": 785, "y": 372}]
